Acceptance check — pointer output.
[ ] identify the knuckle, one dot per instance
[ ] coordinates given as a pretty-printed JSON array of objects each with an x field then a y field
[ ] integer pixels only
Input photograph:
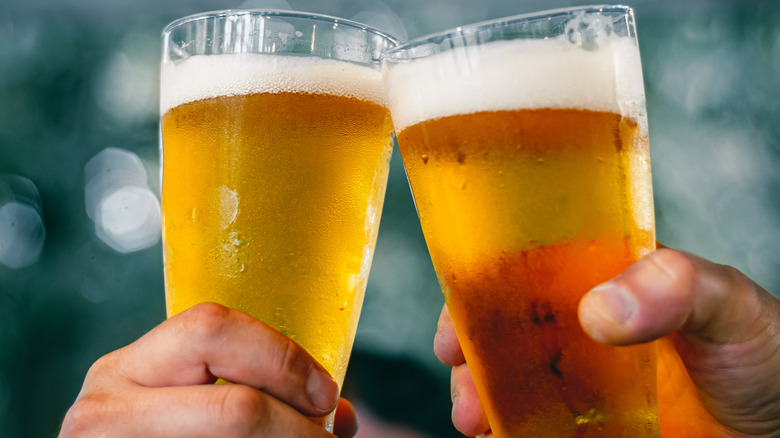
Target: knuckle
[
  {"x": 676, "y": 265},
  {"x": 98, "y": 368},
  {"x": 101, "y": 369},
  {"x": 287, "y": 358},
  {"x": 243, "y": 410},
  {"x": 206, "y": 320},
  {"x": 84, "y": 417}
]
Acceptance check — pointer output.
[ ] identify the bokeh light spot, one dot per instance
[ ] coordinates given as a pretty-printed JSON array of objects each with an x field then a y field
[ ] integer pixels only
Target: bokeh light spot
[
  {"x": 22, "y": 232},
  {"x": 118, "y": 199},
  {"x": 377, "y": 14}
]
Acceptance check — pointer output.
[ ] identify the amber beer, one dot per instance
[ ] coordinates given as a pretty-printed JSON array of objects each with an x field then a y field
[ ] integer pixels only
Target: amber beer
[
  {"x": 274, "y": 176},
  {"x": 529, "y": 164}
]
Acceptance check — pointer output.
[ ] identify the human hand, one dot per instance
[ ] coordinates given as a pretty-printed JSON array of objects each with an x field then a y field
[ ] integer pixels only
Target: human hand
[
  {"x": 718, "y": 358},
  {"x": 161, "y": 385}
]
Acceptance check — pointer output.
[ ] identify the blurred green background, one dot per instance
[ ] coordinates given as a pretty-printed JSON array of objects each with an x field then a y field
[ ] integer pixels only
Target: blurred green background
[{"x": 79, "y": 82}]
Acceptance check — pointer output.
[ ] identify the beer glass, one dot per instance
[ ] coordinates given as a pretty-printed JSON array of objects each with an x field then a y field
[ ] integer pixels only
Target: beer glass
[
  {"x": 276, "y": 143},
  {"x": 525, "y": 144}
]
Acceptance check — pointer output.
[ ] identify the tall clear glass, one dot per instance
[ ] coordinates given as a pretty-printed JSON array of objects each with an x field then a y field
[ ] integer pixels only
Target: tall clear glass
[
  {"x": 525, "y": 144},
  {"x": 276, "y": 142}
]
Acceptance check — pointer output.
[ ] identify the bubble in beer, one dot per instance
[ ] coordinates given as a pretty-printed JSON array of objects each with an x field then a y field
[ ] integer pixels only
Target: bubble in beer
[{"x": 590, "y": 417}]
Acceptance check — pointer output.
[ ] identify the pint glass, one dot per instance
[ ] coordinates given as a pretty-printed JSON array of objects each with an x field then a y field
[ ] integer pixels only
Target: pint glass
[
  {"x": 525, "y": 144},
  {"x": 276, "y": 143}
]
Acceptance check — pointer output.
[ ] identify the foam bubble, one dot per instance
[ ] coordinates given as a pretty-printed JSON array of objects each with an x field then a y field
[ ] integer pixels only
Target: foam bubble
[
  {"x": 519, "y": 74},
  {"x": 207, "y": 76}
]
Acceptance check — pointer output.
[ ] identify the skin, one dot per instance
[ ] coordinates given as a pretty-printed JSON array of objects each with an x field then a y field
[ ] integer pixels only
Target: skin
[
  {"x": 159, "y": 386},
  {"x": 719, "y": 348}
]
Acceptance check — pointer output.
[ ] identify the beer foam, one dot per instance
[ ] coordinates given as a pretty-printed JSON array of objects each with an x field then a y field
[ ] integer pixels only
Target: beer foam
[
  {"x": 207, "y": 76},
  {"x": 518, "y": 74}
]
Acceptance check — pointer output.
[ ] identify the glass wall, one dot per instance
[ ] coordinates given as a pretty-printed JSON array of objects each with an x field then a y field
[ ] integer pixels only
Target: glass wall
[{"x": 80, "y": 254}]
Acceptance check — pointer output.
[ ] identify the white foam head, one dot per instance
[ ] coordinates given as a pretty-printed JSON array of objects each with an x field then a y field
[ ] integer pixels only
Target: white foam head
[
  {"x": 207, "y": 76},
  {"x": 518, "y": 74}
]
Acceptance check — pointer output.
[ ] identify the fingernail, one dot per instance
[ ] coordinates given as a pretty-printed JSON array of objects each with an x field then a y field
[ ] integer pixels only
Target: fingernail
[
  {"x": 323, "y": 390},
  {"x": 613, "y": 302}
]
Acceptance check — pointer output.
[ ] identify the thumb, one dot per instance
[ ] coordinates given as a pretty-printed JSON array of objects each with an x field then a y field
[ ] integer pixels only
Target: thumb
[
  {"x": 670, "y": 290},
  {"x": 725, "y": 328}
]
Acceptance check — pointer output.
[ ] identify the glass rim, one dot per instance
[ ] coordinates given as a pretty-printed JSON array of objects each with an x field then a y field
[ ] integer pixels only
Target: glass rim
[
  {"x": 507, "y": 20},
  {"x": 223, "y": 13}
]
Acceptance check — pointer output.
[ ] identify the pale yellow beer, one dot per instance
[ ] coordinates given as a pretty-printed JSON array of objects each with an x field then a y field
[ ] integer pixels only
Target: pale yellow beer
[
  {"x": 529, "y": 164},
  {"x": 275, "y": 169},
  {"x": 289, "y": 217}
]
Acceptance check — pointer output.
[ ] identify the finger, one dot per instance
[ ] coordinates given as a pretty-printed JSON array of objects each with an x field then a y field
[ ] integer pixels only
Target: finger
[
  {"x": 193, "y": 412},
  {"x": 445, "y": 343},
  {"x": 467, "y": 413},
  {"x": 346, "y": 422},
  {"x": 724, "y": 327},
  {"x": 670, "y": 290},
  {"x": 210, "y": 340}
]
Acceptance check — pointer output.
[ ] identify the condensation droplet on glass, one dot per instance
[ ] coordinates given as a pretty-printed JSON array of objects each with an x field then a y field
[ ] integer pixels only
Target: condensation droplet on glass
[{"x": 235, "y": 241}]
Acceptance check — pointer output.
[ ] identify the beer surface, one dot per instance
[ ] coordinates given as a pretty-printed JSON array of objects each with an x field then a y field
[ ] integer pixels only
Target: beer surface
[
  {"x": 519, "y": 74},
  {"x": 203, "y": 77},
  {"x": 271, "y": 204},
  {"x": 523, "y": 212}
]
